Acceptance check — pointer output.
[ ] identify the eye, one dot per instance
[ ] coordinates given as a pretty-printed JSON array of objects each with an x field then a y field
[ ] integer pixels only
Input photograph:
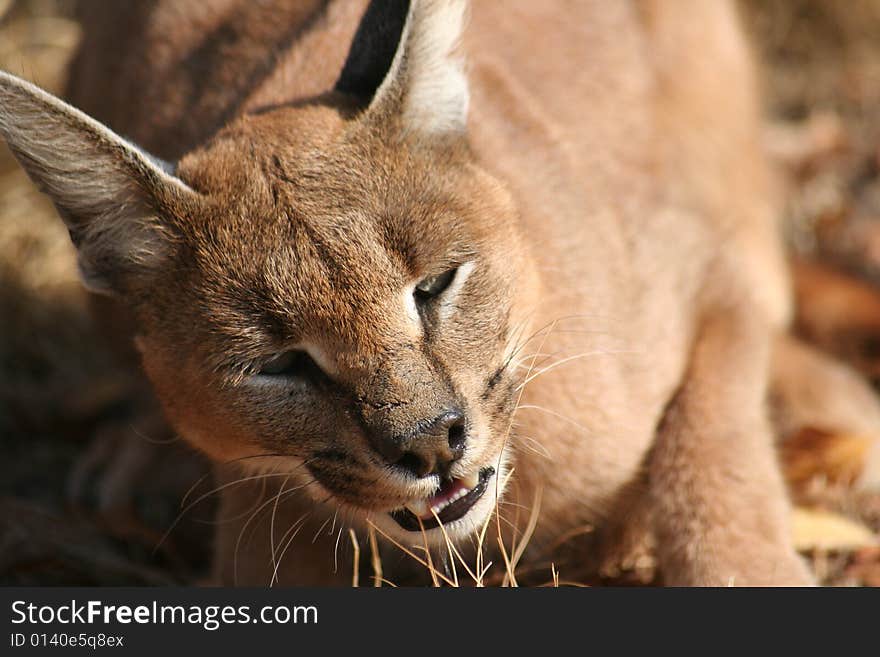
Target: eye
[
  {"x": 434, "y": 286},
  {"x": 290, "y": 363}
]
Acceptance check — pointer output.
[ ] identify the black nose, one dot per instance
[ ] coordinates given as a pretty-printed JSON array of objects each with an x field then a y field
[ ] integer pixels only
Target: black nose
[{"x": 431, "y": 447}]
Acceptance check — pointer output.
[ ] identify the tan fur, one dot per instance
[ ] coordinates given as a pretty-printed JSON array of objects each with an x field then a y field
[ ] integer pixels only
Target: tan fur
[{"x": 612, "y": 341}]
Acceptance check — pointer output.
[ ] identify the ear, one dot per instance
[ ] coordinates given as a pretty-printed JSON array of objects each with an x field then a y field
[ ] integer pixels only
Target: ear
[
  {"x": 402, "y": 65},
  {"x": 108, "y": 192}
]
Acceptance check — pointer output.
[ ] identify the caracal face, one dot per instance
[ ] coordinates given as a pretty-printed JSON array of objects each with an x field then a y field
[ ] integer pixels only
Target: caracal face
[
  {"x": 347, "y": 311},
  {"x": 331, "y": 289}
]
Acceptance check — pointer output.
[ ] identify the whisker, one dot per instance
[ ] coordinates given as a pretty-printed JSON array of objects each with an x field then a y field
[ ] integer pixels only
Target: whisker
[
  {"x": 321, "y": 528},
  {"x": 223, "y": 464},
  {"x": 295, "y": 529},
  {"x": 262, "y": 475},
  {"x": 552, "y": 327},
  {"x": 508, "y": 522},
  {"x": 568, "y": 359},
  {"x": 272, "y": 521},
  {"x": 336, "y": 552},
  {"x": 533, "y": 446},
  {"x": 153, "y": 441},
  {"x": 504, "y": 445},
  {"x": 251, "y": 519},
  {"x": 333, "y": 526},
  {"x": 515, "y": 505},
  {"x": 565, "y": 418},
  {"x": 192, "y": 504},
  {"x": 238, "y": 516},
  {"x": 562, "y": 539}
]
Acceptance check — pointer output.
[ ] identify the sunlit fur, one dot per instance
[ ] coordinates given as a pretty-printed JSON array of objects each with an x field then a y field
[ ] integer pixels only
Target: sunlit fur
[{"x": 593, "y": 169}]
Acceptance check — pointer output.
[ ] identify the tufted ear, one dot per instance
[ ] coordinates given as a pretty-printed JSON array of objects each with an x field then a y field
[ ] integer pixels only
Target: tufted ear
[
  {"x": 402, "y": 65},
  {"x": 108, "y": 192}
]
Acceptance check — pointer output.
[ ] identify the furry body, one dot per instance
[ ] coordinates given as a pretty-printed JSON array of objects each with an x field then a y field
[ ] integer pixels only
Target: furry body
[{"x": 627, "y": 282}]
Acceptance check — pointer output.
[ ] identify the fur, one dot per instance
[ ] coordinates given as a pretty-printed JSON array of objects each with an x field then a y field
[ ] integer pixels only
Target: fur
[{"x": 601, "y": 185}]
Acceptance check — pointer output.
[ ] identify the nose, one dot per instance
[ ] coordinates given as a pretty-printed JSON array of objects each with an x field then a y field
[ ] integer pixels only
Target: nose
[{"x": 431, "y": 447}]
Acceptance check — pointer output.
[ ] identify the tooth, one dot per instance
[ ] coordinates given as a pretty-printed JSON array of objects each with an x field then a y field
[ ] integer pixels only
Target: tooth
[
  {"x": 471, "y": 480},
  {"x": 418, "y": 508}
]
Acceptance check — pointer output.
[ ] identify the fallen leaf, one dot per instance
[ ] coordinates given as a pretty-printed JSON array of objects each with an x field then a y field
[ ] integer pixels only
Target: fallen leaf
[
  {"x": 812, "y": 453},
  {"x": 816, "y": 529}
]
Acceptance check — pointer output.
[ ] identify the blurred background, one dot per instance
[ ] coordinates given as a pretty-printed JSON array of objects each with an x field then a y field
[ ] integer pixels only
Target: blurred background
[{"x": 60, "y": 391}]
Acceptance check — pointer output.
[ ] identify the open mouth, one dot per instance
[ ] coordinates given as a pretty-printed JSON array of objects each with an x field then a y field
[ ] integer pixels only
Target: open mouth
[{"x": 452, "y": 501}]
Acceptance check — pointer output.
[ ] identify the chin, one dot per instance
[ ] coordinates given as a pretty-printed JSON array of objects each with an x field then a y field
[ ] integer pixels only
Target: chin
[{"x": 456, "y": 508}]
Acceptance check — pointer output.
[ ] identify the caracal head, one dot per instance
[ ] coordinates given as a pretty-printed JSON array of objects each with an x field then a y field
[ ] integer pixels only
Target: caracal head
[{"x": 332, "y": 288}]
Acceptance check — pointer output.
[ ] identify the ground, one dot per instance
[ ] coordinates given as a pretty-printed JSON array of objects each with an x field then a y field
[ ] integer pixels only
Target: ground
[{"x": 60, "y": 390}]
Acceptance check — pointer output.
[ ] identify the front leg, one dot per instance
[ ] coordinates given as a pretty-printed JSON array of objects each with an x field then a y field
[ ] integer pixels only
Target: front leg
[{"x": 717, "y": 496}]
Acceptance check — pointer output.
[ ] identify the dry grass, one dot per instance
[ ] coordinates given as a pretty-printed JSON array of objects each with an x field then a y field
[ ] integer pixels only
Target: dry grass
[{"x": 58, "y": 387}]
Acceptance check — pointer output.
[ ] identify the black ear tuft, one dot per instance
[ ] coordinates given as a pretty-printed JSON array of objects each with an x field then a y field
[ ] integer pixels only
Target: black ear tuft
[{"x": 373, "y": 49}]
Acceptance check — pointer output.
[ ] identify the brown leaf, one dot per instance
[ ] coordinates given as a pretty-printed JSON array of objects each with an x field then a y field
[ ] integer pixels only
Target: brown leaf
[
  {"x": 839, "y": 313},
  {"x": 812, "y": 453}
]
